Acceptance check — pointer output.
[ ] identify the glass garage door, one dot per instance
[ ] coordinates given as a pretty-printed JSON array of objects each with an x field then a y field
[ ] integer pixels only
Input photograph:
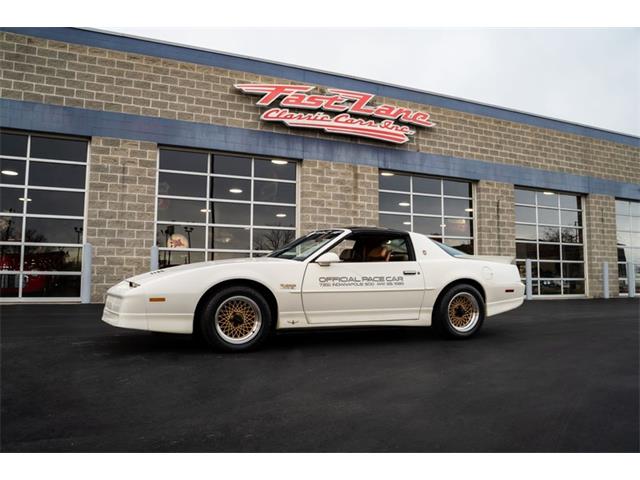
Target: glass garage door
[
  {"x": 549, "y": 231},
  {"x": 437, "y": 207},
  {"x": 628, "y": 240},
  {"x": 217, "y": 206},
  {"x": 42, "y": 196}
]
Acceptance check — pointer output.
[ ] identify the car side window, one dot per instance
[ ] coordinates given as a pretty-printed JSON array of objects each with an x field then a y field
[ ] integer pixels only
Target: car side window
[{"x": 368, "y": 248}]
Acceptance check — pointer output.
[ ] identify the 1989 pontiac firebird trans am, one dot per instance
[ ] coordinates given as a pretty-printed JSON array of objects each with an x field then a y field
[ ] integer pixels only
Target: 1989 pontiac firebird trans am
[{"x": 329, "y": 278}]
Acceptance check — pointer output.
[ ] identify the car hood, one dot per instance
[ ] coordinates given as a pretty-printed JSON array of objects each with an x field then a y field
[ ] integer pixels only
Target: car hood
[{"x": 165, "y": 272}]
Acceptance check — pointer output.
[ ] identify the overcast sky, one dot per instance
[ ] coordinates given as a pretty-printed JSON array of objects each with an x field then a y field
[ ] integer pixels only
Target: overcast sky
[{"x": 588, "y": 76}]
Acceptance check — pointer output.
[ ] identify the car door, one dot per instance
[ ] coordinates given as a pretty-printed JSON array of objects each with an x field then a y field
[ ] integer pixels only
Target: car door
[{"x": 377, "y": 280}]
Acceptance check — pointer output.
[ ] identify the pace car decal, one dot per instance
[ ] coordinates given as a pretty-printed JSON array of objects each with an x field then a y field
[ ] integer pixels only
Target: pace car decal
[
  {"x": 364, "y": 281},
  {"x": 345, "y": 103}
]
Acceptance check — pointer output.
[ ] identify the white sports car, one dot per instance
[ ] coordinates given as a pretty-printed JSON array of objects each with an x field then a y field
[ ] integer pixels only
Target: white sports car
[{"x": 336, "y": 277}]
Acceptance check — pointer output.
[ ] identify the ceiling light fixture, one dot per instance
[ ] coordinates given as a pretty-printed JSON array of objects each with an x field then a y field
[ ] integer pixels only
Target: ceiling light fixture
[{"x": 11, "y": 173}]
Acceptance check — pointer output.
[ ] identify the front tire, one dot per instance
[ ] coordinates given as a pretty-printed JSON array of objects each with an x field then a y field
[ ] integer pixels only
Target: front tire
[
  {"x": 460, "y": 312},
  {"x": 235, "y": 319}
]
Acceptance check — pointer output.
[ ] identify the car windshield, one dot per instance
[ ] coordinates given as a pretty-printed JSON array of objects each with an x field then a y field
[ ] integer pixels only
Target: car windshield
[
  {"x": 450, "y": 250},
  {"x": 303, "y": 247}
]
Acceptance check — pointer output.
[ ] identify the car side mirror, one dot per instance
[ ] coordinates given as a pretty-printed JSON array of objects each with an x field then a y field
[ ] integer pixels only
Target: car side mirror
[{"x": 327, "y": 259}]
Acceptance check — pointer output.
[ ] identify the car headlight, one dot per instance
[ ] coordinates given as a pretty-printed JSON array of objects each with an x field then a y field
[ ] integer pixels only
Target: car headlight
[{"x": 133, "y": 284}]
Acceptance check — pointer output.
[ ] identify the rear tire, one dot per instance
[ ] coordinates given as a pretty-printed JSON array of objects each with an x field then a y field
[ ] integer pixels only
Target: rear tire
[
  {"x": 235, "y": 319},
  {"x": 460, "y": 312}
]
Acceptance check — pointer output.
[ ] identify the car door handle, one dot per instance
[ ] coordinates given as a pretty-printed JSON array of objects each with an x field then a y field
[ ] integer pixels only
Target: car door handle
[{"x": 410, "y": 272}]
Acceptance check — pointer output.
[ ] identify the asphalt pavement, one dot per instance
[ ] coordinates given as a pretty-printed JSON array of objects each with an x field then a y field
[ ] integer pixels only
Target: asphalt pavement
[{"x": 551, "y": 376}]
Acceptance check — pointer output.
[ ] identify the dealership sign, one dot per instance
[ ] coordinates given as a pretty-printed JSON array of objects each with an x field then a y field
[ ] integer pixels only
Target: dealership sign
[{"x": 339, "y": 111}]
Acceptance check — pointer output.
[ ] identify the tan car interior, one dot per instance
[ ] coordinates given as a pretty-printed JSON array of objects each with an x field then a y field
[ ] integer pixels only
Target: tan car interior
[{"x": 372, "y": 250}]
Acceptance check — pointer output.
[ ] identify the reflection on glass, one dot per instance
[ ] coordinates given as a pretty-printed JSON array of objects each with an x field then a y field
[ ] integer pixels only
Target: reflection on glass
[
  {"x": 10, "y": 229},
  {"x": 573, "y": 287},
  {"x": 570, "y": 218},
  {"x": 457, "y": 227},
  {"x": 394, "y": 202},
  {"x": 548, "y": 216},
  {"x": 463, "y": 244},
  {"x": 572, "y": 252},
  {"x": 274, "y": 216},
  {"x": 173, "y": 258},
  {"x": 525, "y": 196},
  {"x": 230, "y": 165},
  {"x": 172, "y": 210},
  {"x": 9, "y": 285},
  {"x": 10, "y": 257},
  {"x": 229, "y": 238},
  {"x": 547, "y": 199},
  {"x": 56, "y": 175},
  {"x": 182, "y": 185},
  {"x": 10, "y": 199},
  {"x": 427, "y": 225},
  {"x": 58, "y": 149},
  {"x": 271, "y": 239},
  {"x": 427, "y": 205},
  {"x": 183, "y": 160},
  {"x": 13, "y": 145},
  {"x": 550, "y": 270},
  {"x": 179, "y": 236},
  {"x": 276, "y": 168},
  {"x": 526, "y": 250},
  {"x": 549, "y": 234},
  {"x": 526, "y": 214},
  {"x": 394, "y": 181},
  {"x": 457, "y": 208},
  {"x": 231, "y": 213},
  {"x": 51, "y": 202},
  {"x": 573, "y": 270},
  {"x": 398, "y": 222},
  {"x": 274, "y": 192},
  {"x": 550, "y": 287},
  {"x": 53, "y": 230},
  {"x": 230, "y": 188},
  {"x": 12, "y": 171},
  {"x": 569, "y": 201},
  {"x": 50, "y": 285},
  {"x": 427, "y": 185},
  {"x": 456, "y": 189},
  {"x": 549, "y": 251},
  {"x": 52, "y": 259},
  {"x": 572, "y": 235},
  {"x": 526, "y": 232}
]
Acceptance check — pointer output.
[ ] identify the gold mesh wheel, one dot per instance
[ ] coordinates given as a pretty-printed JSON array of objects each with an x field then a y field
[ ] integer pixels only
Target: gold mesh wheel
[
  {"x": 238, "y": 319},
  {"x": 463, "y": 312}
]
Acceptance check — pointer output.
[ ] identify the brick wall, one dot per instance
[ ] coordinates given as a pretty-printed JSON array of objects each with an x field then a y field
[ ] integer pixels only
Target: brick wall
[
  {"x": 121, "y": 206},
  {"x": 47, "y": 71},
  {"x": 337, "y": 194},
  {"x": 495, "y": 217},
  {"x": 600, "y": 221}
]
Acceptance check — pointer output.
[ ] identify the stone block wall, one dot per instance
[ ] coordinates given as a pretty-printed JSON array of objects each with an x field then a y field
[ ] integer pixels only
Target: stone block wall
[
  {"x": 121, "y": 210},
  {"x": 337, "y": 194},
  {"x": 600, "y": 221},
  {"x": 495, "y": 219}
]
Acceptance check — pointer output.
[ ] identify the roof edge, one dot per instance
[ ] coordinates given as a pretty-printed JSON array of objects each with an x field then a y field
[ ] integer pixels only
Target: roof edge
[{"x": 199, "y": 55}]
